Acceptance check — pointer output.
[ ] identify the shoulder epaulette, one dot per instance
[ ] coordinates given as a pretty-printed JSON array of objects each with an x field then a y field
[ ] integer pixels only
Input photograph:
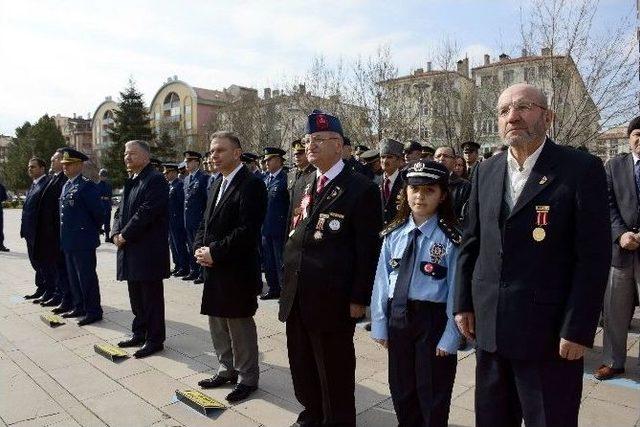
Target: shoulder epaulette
[
  {"x": 452, "y": 233},
  {"x": 393, "y": 226}
]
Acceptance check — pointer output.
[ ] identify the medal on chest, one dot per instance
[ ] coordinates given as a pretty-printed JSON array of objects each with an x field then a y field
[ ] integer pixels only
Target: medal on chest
[{"x": 542, "y": 219}]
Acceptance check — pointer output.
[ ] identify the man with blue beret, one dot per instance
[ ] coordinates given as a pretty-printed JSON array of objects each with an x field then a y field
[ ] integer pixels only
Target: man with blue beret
[
  {"x": 81, "y": 217},
  {"x": 274, "y": 228},
  {"x": 195, "y": 202},
  {"x": 329, "y": 266}
]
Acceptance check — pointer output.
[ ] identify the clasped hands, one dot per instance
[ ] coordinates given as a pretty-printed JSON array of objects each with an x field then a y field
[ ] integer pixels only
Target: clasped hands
[
  {"x": 567, "y": 349},
  {"x": 118, "y": 240},
  {"x": 629, "y": 241},
  {"x": 203, "y": 256}
]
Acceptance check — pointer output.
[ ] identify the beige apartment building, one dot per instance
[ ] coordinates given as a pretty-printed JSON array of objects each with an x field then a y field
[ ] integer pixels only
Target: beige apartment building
[
  {"x": 612, "y": 142},
  {"x": 76, "y": 131},
  {"x": 577, "y": 117},
  {"x": 102, "y": 122},
  {"x": 4, "y": 146}
]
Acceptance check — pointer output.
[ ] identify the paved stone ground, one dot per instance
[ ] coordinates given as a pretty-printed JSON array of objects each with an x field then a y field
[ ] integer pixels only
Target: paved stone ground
[{"x": 53, "y": 377}]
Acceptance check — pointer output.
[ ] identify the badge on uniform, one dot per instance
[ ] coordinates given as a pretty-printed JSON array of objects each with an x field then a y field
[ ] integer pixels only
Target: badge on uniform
[
  {"x": 434, "y": 270},
  {"x": 542, "y": 219},
  {"x": 317, "y": 235},
  {"x": 437, "y": 252},
  {"x": 394, "y": 263},
  {"x": 334, "y": 193}
]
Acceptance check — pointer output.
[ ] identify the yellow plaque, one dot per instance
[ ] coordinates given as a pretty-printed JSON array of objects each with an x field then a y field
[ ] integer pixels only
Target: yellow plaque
[
  {"x": 539, "y": 234},
  {"x": 199, "y": 401},
  {"x": 110, "y": 351},
  {"x": 52, "y": 320}
]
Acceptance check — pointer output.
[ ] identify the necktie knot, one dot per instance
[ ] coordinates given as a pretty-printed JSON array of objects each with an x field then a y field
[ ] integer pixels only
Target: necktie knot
[{"x": 322, "y": 181}]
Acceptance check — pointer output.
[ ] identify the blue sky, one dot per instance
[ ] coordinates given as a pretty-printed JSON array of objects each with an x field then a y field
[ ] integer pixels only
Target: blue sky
[{"x": 66, "y": 56}]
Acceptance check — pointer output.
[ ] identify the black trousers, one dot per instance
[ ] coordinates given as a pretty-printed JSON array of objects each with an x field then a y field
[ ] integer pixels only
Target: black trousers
[
  {"x": 147, "y": 305},
  {"x": 40, "y": 278},
  {"x": 421, "y": 383},
  {"x": 545, "y": 393},
  {"x": 323, "y": 372},
  {"x": 1, "y": 225}
]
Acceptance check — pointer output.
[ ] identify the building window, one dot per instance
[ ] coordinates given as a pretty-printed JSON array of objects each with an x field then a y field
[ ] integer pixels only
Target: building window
[
  {"x": 507, "y": 77},
  {"x": 529, "y": 74},
  {"x": 543, "y": 71},
  {"x": 171, "y": 106}
]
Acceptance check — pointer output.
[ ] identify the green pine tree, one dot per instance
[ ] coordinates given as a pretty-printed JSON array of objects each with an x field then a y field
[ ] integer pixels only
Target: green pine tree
[
  {"x": 131, "y": 121},
  {"x": 41, "y": 140}
]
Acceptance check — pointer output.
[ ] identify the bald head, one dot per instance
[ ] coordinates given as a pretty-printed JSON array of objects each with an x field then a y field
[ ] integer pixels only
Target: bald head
[
  {"x": 523, "y": 116},
  {"x": 531, "y": 92}
]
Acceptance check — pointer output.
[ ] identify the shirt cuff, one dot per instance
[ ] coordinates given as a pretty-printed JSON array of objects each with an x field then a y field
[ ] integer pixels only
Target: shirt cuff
[
  {"x": 450, "y": 340},
  {"x": 379, "y": 330}
]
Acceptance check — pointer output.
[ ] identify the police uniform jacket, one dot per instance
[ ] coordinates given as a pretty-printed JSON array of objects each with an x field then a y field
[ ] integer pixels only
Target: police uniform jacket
[
  {"x": 530, "y": 288},
  {"x": 275, "y": 221},
  {"x": 176, "y": 205},
  {"x": 231, "y": 230},
  {"x": 80, "y": 215},
  {"x": 143, "y": 223},
  {"x": 432, "y": 279},
  {"x": 195, "y": 199},
  {"x": 47, "y": 243},
  {"x": 330, "y": 257},
  {"x": 623, "y": 205}
]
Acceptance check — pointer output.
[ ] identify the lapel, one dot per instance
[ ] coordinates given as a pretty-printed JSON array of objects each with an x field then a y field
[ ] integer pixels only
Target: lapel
[
  {"x": 630, "y": 177},
  {"x": 235, "y": 182},
  {"x": 541, "y": 176},
  {"x": 331, "y": 193},
  {"x": 495, "y": 185},
  {"x": 393, "y": 192}
]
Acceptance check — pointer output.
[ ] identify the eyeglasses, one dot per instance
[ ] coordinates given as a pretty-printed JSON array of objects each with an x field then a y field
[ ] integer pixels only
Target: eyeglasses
[
  {"x": 317, "y": 140},
  {"x": 519, "y": 107}
]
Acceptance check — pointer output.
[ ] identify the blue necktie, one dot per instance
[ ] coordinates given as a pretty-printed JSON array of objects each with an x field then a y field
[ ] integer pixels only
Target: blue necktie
[{"x": 398, "y": 316}]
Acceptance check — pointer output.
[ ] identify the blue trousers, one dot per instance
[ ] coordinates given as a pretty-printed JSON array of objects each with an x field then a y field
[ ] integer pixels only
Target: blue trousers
[
  {"x": 1, "y": 225},
  {"x": 179, "y": 249},
  {"x": 63, "y": 290},
  {"x": 272, "y": 247},
  {"x": 83, "y": 281},
  {"x": 106, "y": 226},
  {"x": 194, "y": 267}
]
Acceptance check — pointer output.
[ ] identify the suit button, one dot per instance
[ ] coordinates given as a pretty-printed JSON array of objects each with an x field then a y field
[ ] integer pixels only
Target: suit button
[{"x": 504, "y": 285}]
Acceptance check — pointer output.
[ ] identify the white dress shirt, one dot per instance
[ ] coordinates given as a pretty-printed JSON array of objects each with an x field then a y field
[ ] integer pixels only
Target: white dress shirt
[
  {"x": 226, "y": 180},
  {"x": 332, "y": 172},
  {"x": 517, "y": 176}
]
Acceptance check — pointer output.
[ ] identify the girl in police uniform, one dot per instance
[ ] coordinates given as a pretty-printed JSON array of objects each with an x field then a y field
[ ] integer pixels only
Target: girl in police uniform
[{"x": 412, "y": 297}]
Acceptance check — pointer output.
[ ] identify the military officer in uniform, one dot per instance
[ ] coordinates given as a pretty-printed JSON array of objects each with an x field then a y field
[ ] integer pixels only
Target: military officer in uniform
[
  {"x": 177, "y": 241},
  {"x": 250, "y": 160},
  {"x": 274, "y": 228},
  {"x": 81, "y": 217},
  {"x": 470, "y": 151},
  {"x": 301, "y": 163},
  {"x": 329, "y": 267},
  {"x": 358, "y": 152},
  {"x": 391, "y": 159},
  {"x": 372, "y": 168},
  {"x": 106, "y": 192},
  {"x": 195, "y": 202},
  {"x": 427, "y": 152},
  {"x": 182, "y": 171}
]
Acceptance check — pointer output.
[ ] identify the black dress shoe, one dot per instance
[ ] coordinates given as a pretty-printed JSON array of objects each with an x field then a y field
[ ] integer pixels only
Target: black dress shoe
[
  {"x": 73, "y": 313},
  {"x": 87, "y": 320},
  {"x": 131, "y": 342},
  {"x": 61, "y": 309},
  {"x": 241, "y": 392},
  {"x": 4, "y": 249},
  {"x": 37, "y": 294},
  {"x": 270, "y": 295},
  {"x": 147, "y": 350},
  {"x": 217, "y": 381},
  {"x": 198, "y": 281},
  {"x": 51, "y": 302},
  {"x": 190, "y": 277}
]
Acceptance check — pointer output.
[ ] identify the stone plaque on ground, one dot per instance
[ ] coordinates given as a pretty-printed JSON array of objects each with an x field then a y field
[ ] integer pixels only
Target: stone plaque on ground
[
  {"x": 52, "y": 320},
  {"x": 199, "y": 401},
  {"x": 111, "y": 352}
]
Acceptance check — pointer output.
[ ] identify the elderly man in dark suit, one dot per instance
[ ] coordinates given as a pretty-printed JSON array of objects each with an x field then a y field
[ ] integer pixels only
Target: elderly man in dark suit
[
  {"x": 532, "y": 269},
  {"x": 47, "y": 243},
  {"x": 141, "y": 233},
  {"x": 227, "y": 243},
  {"x": 329, "y": 266},
  {"x": 623, "y": 180},
  {"x": 45, "y": 282}
]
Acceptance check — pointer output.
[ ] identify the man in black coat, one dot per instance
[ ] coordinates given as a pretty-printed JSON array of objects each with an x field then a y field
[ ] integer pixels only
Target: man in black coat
[
  {"x": 623, "y": 182},
  {"x": 44, "y": 279},
  {"x": 532, "y": 269},
  {"x": 141, "y": 233},
  {"x": 391, "y": 160},
  {"x": 329, "y": 266},
  {"x": 227, "y": 243},
  {"x": 459, "y": 188},
  {"x": 3, "y": 198},
  {"x": 47, "y": 242}
]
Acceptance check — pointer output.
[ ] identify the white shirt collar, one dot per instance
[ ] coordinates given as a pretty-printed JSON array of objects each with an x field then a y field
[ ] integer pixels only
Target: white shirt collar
[
  {"x": 273, "y": 175},
  {"x": 392, "y": 177},
  {"x": 233, "y": 173},
  {"x": 528, "y": 163},
  {"x": 37, "y": 180},
  {"x": 332, "y": 172},
  {"x": 635, "y": 158}
]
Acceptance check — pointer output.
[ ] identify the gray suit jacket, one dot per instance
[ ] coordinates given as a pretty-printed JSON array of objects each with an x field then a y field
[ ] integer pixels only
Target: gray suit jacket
[{"x": 623, "y": 205}]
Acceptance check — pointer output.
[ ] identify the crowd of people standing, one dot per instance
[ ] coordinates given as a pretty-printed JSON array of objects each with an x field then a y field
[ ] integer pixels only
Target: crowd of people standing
[{"x": 511, "y": 256}]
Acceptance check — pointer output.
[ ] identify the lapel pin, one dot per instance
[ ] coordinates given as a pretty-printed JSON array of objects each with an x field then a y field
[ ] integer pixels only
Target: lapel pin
[{"x": 543, "y": 180}]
